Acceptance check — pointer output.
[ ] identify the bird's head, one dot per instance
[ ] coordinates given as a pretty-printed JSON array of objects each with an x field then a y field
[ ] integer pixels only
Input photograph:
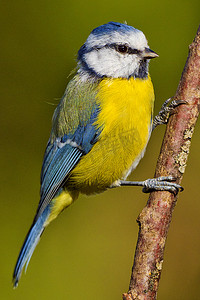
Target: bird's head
[{"x": 115, "y": 50}]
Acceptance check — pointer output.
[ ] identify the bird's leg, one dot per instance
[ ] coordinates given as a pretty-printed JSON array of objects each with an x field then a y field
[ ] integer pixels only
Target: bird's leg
[
  {"x": 166, "y": 111},
  {"x": 163, "y": 183}
]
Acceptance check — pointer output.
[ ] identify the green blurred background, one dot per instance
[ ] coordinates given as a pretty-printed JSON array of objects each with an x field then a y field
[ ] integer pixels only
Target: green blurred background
[{"x": 87, "y": 253}]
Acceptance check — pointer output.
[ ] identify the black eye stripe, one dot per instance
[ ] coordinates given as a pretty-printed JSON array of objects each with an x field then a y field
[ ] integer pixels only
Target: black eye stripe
[
  {"x": 129, "y": 50},
  {"x": 121, "y": 48},
  {"x": 134, "y": 51}
]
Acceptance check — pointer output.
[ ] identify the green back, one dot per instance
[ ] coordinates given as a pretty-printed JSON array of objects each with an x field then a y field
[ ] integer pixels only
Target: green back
[{"x": 75, "y": 107}]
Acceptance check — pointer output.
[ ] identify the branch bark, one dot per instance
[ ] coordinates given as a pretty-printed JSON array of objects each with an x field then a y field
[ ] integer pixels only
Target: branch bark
[{"x": 155, "y": 218}]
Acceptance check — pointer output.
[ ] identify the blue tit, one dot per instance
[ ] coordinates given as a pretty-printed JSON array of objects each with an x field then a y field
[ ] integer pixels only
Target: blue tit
[{"x": 100, "y": 128}]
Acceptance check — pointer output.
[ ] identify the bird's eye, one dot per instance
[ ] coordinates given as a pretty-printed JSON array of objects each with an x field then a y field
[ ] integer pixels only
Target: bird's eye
[{"x": 122, "y": 48}]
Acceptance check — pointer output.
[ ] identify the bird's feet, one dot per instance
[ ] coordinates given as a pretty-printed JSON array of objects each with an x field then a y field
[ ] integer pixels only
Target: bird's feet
[
  {"x": 166, "y": 111},
  {"x": 163, "y": 183}
]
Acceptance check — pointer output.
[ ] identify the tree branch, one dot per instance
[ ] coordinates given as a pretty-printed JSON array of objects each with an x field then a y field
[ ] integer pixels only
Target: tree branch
[{"x": 155, "y": 218}]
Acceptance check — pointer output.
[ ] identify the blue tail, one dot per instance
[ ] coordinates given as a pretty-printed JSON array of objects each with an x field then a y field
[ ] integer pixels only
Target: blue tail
[{"x": 29, "y": 245}]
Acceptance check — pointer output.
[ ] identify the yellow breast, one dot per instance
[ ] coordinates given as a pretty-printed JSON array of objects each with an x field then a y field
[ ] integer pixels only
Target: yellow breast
[{"x": 125, "y": 116}]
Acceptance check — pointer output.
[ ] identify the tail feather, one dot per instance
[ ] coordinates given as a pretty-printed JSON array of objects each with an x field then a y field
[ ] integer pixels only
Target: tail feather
[
  {"x": 29, "y": 245},
  {"x": 52, "y": 210}
]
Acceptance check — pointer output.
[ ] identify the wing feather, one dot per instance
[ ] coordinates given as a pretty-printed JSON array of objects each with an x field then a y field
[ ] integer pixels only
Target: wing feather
[{"x": 62, "y": 156}]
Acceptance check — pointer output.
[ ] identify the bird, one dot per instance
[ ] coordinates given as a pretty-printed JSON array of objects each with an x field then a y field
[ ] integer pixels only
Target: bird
[{"x": 100, "y": 128}]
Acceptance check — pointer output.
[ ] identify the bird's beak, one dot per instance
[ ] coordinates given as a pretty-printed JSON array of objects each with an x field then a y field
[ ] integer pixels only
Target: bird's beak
[{"x": 149, "y": 54}]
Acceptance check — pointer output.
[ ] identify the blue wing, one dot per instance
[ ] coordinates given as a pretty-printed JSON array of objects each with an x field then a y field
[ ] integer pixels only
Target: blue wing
[{"x": 61, "y": 157}]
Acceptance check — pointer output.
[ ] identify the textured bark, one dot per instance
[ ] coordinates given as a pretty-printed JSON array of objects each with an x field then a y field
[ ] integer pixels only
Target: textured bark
[{"x": 155, "y": 218}]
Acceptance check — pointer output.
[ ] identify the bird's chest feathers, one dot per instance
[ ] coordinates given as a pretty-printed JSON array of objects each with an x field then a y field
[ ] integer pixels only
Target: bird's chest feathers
[
  {"x": 125, "y": 120},
  {"x": 126, "y": 109}
]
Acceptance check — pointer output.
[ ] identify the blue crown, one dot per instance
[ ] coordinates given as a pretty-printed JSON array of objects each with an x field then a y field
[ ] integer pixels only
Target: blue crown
[{"x": 112, "y": 26}]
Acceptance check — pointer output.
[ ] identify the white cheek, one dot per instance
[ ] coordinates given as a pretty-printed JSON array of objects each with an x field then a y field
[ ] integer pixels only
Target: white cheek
[
  {"x": 129, "y": 65},
  {"x": 108, "y": 62},
  {"x": 101, "y": 61}
]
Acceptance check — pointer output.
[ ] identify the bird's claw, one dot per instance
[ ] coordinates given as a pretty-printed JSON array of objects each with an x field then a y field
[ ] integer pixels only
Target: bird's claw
[
  {"x": 163, "y": 183},
  {"x": 166, "y": 111}
]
